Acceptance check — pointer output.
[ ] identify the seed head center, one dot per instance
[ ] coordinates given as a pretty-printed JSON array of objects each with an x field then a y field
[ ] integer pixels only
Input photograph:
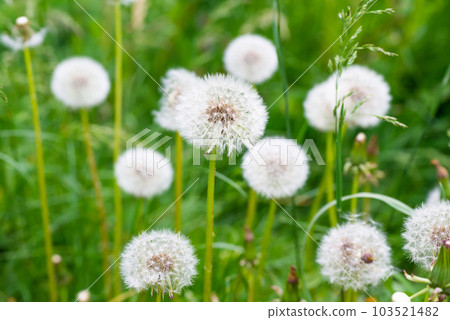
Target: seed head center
[
  {"x": 160, "y": 263},
  {"x": 223, "y": 113}
]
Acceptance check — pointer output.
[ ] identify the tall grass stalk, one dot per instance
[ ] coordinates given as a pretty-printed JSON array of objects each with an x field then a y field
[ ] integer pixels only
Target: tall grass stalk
[
  {"x": 178, "y": 180},
  {"x": 207, "y": 280},
  {"x": 330, "y": 160},
  {"x": 117, "y": 139},
  {"x": 100, "y": 204},
  {"x": 355, "y": 185},
  {"x": 266, "y": 240},
  {"x": 41, "y": 178}
]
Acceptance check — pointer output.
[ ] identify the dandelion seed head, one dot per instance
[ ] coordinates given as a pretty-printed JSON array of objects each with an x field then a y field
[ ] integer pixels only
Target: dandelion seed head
[
  {"x": 275, "y": 167},
  {"x": 174, "y": 83},
  {"x": 84, "y": 296},
  {"x": 425, "y": 231},
  {"x": 22, "y": 21},
  {"x": 251, "y": 57},
  {"x": 158, "y": 260},
  {"x": 127, "y": 2},
  {"x": 362, "y": 252},
  {"x": 56, "y": 259},
  {"x": 143, "y": 172},
  {"x": 80, "y": 82},
  {"x": 400, "y": 297},
  {"x": 366, "y": 87},
  {"x": 221, "y": 111},
  {"x": 15, "y": 42}
]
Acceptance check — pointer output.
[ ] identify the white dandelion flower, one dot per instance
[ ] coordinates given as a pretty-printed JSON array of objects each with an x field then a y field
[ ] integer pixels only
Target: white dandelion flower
[
  {"x": 433, "y": 196},
  {"x": 80, "y": 82},
  {"x": 366, "y": 87},
  {"x": 400, "y": 297},
  {"x": 174, "y": 83},
  {"x": 355, "y": 255},
  {"x": 251, "y": 57},
  {"x": 17, "y": 42},
  {"x": 143, "y": 172},
  {"x": 221, "y": 111},
  {"x": 158, "y": 260},
  {"x": 275, "y": 167},
  {"x": 319, "y": 105},
  {"x": 425, "y": 230},
  {"x": 84, "y": 296}
]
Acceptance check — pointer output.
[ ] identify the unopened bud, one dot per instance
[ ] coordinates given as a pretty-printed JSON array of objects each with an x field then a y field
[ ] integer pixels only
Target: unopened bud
[
  {"x": 56, "y": 259},
  {"x": 441, "y": 172},
  {"x": 248, "y": 235},
  {"x": 22, "y": 21},
  {"x": 372, "y": 148},
  {"x": 292, "y": 277}
]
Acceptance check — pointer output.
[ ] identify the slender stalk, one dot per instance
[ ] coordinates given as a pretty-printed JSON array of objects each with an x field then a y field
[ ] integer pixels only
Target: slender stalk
[
  {"x": 354, "y": 201},
  {"x": 100, "y": 204},
  {"x": 276, "y": 36},
  {"x": 350, "y": 295},
  {"x": 419, "y": 293},
  {"x": 158, "y": 295},
  {"x": 251, "y": 285},
  {"x": 117, "y": 133},
  {"x": 366, "y": 202},
  {"x": 139, "y": 215},
  {"x": 41, "y": 178},
  {"x": 339, "y": 166},
  {"x": 266, "y": 240},
  {"x": 178, "y": 180},
  {"x": 251, "y": 208},
  {"x": 209, "y": 229},
  {"x": 330, "y": 160}
]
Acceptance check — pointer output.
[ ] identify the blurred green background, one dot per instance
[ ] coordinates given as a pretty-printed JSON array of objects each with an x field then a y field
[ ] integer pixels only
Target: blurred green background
[{"x": 193, "y": 34}]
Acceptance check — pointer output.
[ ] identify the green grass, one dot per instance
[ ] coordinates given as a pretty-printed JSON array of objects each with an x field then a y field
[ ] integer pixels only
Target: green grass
[{"x": 193, "y": 34}]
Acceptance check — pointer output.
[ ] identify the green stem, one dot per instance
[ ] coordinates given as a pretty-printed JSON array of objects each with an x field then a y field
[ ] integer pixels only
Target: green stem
[
  {"x": 251, "y": 208},
  {"x": 209, "y": 229},
  {"x": 41, "y": 178},
  {"x": 354, "y": 201},
  {"x": 139, "y": 215},
  {"x": 419, "y": 293},
  {"x": 98, "y": 197},
  {"x": 276, "y": 36},
  {"x": 350, "y": 295},
  {"x": 178, "y": 180},
  {"x": 158, "y": 295},
  {"x": 339, "y": 168},
  {"x": 266, "y": 239},
  {"x": 330, "y": 160},
  {"x": 251, "y": 285},
  {"x": 117, "y": 133},
  {"x": 366, "y": 202}
]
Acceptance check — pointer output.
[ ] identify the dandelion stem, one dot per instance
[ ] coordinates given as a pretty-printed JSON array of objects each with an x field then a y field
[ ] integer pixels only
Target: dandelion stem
[
  {"x": 41, "y": 178},
  {"x": 209, "y": 229},
  {"x": 251, "y": 208},
  {"x": 158, "y": 295},
  {"x": 366, "y": 202},
  {"x": 330, "y": 160},
  {"x": 117, "y": 139},
  {"x": 419, "y": 293},
  {"x": 139, "y": 215},
  {"x": 276, "y": 36},
  {"x": 354, "y": 201},
  {"x": 178, "y": 180},
  {"x": 98, "y": 196},
  {"x": 266, "y": 239},
  {"x": 251, "y": 285}
]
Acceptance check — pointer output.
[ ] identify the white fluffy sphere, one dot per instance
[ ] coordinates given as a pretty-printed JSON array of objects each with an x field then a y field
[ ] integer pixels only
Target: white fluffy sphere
[
  {"x": 143, "y": 172},
  {"x": 221, "y": 111},
  {"x": 425, "y": 230},
  {"x": 433, "y": 196},
  {"x": 364, "y": 84},
  {"x": 174, "y": 83},
  {"x": 80, "y": 82},
  {"x": 275, "y": 167},
  {"x": 16, "y": 43},
  {"x": 400, "y": 297},
  {"x": 355, "y": 255},
  {"x": 158, "y": 260},
  {"x": 251, "y": 57}
]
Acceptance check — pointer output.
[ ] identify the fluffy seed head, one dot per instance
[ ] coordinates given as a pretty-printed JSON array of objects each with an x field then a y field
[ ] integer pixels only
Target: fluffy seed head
[
  {"x": 80, "y": 82},
  {"x": 364, "y": 84},
  {"x": 143, "y": 172},
  {"x": 251, "y": 57},
  {"x": 15, "y": 42},
  {"x": 84, "y": 296},
  {"x": 355, "y": 255},
  {"x": 158, "y": 260},
  {"x": 221, "y": 111},
  {"x": 400, "y": 297},
  {"x": 174, "y": 83},
  {"x": 425, "y": 231},
  {"x": 275, "y": 167}
]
